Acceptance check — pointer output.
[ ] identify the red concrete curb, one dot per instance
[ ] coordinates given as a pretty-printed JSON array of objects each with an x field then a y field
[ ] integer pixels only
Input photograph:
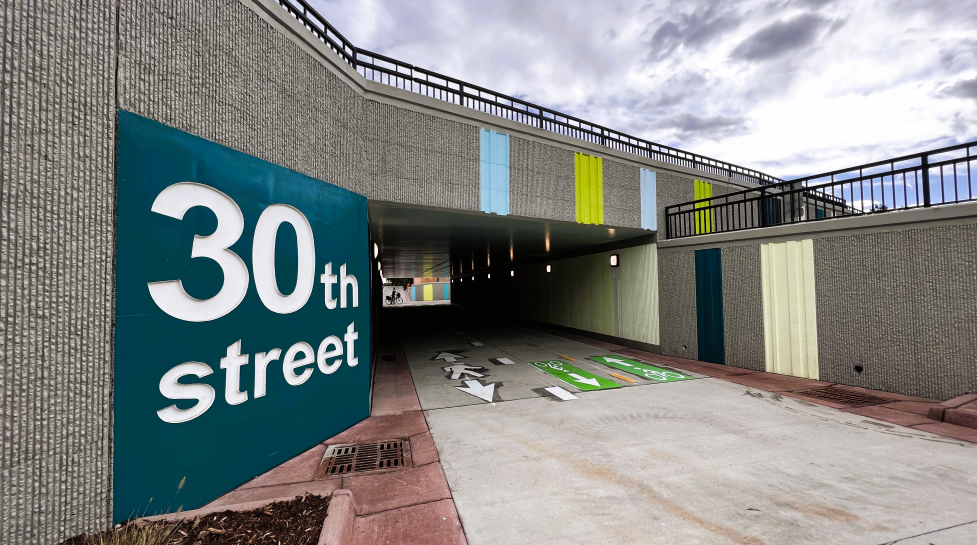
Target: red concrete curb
[
  {"x": 340, "y": 523},
  {"x": 207, "y": 510}
]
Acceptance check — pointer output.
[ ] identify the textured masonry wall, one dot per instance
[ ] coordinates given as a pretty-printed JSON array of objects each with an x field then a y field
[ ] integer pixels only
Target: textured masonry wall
[
  {"x": 672, "y": 189},
  {"x": 416, "y": 158},
  {"x": 622, "y": 194},
  {"x": 743, "y": 307},
  {"x": 541, "y": 181},
  {"x": 57, "y": 151},
  {"x": 217, "y": 70},
  {"x": 676, "y": 289},
  {"x": 903, "y": 305}
]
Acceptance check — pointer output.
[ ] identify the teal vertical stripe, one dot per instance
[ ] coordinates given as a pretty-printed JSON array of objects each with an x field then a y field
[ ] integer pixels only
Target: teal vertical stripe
[
  {"x": 709, "y": 306},
  {"x": 649, "y": 201},
  {"x": 494, "y": 172},
  {"x": 447, "y": 292},
  {"x": 413, "y": 293}
]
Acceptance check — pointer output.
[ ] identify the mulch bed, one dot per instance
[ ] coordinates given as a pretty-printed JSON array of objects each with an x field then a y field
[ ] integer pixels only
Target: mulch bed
[{"x": 296, "y": 522}]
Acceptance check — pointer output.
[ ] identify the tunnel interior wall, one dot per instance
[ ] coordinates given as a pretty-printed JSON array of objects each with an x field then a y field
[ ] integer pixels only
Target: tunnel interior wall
[{"x": 578, "y": 293}]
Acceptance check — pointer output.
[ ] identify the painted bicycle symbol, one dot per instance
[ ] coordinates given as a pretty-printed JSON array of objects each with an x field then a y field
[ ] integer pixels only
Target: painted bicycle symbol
[{"x": 663, "y": 376}]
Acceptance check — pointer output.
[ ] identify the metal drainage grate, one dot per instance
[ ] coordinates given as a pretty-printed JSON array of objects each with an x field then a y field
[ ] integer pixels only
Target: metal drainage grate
[
  {"x": 364, "y": 457},
  {"x": 854, "y": 399}
]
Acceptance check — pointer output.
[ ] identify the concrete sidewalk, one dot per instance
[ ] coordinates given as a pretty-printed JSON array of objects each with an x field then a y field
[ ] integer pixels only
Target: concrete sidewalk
[{"x": 728, "y": 456}]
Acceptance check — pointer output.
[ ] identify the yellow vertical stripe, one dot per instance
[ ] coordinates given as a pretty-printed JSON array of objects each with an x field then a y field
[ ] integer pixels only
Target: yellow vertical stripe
[
  {"x": 589, "y": 178},
  {"x": 790, "y": 329},
  {"x": 703, "y": 220},
  {"x": 428, "y": 292}
]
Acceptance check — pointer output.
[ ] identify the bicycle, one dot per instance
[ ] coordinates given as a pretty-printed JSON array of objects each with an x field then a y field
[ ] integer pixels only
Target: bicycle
[{"x": 394, "y": 299}]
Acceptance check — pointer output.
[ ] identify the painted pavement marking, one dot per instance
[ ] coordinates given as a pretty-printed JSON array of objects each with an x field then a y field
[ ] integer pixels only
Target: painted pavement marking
[
  {"x": 574, "y": 376},
  {"x": 622, "y": 377},
  {"x": 642, "y": 370},
  {"x": 448, "y": 357},
  {"x": 460, "y": 369},
  {"x": 476, "y": 343},
  {"x": 560, "y": 393},
  {"x": 478, "y": 390}
]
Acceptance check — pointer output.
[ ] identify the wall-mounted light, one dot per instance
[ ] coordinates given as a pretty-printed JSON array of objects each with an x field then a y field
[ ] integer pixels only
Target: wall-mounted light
[
  {"x": 376, "y": 250},
  {"x": 615, "y": 260},
  {"x": 549, "y": 269},
  {"x": 512, "y": 273},
  {"x": 473, "y": 278},
  {"x": 378, "y": 265},
  {"x": 490, "y": 275}
]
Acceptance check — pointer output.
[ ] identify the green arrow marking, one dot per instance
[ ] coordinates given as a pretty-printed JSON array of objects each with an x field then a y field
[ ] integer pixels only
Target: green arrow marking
[
  {"x": 642, "y": 370},
  {"x": 574, "y": 376}
]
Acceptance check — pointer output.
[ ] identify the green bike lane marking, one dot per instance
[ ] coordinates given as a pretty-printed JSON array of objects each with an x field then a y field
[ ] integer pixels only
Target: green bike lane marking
[
  {"x": 642, "y": 370},
  {"x": 574, "y": 376}
]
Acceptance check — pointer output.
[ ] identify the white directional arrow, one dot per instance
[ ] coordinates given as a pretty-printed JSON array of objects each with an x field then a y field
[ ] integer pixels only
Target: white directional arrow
[
  {"x": 590, "y": 381},
  {"x": 457, "y": 370},
  {"x": 474, "y": 388},
  {"x": 448, "y": 357},
  {"x": 615, "y": 360}
]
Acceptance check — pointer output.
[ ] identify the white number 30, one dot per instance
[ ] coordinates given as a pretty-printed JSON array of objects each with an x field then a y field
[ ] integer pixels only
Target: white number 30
[{"x": 169, "y": 295}]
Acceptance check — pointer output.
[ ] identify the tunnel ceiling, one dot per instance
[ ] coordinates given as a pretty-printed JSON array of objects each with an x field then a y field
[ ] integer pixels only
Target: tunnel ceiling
[{"x": 418, "y": 241}]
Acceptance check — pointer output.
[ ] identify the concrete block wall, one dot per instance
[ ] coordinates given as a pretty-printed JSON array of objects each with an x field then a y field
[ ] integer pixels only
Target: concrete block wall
[
  {"x": 57, "y": 241},
  {"x": 909, "y": 318},
  {"x": 900, "y": 303}
]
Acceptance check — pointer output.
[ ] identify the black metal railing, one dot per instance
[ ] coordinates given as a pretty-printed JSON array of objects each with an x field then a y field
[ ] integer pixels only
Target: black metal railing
[
  {"x": 386, "y": 70},
  {"x": 940, "y": 176}
]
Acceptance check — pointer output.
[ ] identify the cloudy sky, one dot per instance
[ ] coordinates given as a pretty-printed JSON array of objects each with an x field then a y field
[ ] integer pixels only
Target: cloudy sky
[{"x": 790, "y": 87}]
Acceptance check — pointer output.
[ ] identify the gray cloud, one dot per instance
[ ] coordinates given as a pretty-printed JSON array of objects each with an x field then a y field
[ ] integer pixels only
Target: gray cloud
[
  {"x": 691, "y": 31},
  {"x": 966, "y": 88},
  {"x": 782, "y": 37},
  {"x": 692, "y": 126}
]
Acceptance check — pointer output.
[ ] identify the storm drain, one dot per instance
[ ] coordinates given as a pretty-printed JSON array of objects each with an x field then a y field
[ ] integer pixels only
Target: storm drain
[
  {"x": 855, "y": 399},
  {"x": 364, "y": 458}
]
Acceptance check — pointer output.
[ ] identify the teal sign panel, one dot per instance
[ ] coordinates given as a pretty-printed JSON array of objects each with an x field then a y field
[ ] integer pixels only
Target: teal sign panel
[
  {"x": 242, "y": 317},
  {"x": 574, "y": 376},
  {"x": 709, "y": 306},
  {"x": 494, "y": 172},
  {"x": 642, "y": 370}
]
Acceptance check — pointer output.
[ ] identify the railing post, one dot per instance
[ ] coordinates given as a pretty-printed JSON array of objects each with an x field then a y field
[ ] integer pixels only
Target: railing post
[
  {"x": 763, "y": 206},
  {"x": 926, "y": 181}
]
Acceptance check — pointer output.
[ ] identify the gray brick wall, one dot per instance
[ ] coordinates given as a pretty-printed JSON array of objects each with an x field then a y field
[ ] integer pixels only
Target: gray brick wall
[
  {"x": 622, "y": 194},
  {"x": 743, "y": 307},
  {"x": 676, "y": 303},
  {"x": 671, "y": 189},
  {"x": 57, "y": 150},
  {"x": 541, "y": 181},
  {"x": 903, "y": 305}
]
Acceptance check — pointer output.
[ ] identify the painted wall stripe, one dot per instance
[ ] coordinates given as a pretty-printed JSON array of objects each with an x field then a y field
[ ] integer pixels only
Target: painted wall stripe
[
  {"x": 703, "y": 220},
  {"x": 589, "y": 188},
  {"x": 447, "y": 292},
  {"x": 709, "y": 306},
  {"x": 790, "y": 329},
  {"x": 428, "y": 292},
  {"x": 649, "y": 202},
  {"x": 413, "y": 293},
  {"x": 494, "y": 172}
]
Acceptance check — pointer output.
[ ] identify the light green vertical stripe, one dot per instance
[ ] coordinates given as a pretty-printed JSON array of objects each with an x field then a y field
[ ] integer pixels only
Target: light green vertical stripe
[{"x": 578, "y": 170}]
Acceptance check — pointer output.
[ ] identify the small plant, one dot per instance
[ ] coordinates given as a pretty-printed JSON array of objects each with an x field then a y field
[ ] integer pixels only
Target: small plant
[
  {"x": 879, "y": 208},
  {"x": 135, "y": 533}
]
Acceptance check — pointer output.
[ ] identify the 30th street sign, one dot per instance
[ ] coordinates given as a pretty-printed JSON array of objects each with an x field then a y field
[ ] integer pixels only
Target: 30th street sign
[{"x": 242, "y": 317}]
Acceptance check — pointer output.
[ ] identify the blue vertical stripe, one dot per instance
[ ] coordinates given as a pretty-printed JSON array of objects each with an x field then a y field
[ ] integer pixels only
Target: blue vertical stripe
[
  {"x": 494, "y": 172},
  {"x": 649, "y": 201},
  {"x": 447, "y": 292},
  {"x": 413, "y": 293}
]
